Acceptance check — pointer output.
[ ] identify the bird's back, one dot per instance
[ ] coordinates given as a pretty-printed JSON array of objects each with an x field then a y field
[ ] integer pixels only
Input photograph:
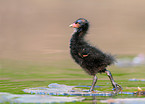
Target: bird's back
[{"x": 91, "y": 59}]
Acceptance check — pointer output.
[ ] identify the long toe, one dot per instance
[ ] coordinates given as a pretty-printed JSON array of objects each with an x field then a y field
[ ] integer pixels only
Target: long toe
[
  {"x": 117, "y": 88},
  {"x": 91, "y": 90}
]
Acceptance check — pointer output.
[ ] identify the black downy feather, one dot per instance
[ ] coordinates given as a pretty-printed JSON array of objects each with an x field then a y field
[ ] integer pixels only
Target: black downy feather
[{"x": 90, "y": 58}]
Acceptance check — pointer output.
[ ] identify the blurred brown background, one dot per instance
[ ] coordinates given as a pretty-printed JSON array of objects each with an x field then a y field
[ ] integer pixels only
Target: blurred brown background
[{"x": 38, "y": 29}]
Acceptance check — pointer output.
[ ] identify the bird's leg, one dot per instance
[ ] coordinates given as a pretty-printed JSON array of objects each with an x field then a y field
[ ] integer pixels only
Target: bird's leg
[
  {"x": 93, "y": 84},
  {"x": 116, "y": 87}
]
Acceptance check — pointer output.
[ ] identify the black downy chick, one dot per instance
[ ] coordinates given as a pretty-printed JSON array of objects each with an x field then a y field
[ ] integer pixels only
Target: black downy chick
[{"x": 90, "y": 58}]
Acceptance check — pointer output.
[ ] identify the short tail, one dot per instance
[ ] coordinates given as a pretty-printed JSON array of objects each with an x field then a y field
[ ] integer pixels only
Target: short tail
[{"x": 110, "y": 59}]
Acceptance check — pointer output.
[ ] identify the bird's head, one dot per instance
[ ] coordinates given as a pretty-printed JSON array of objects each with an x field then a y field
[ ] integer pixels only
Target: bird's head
[{"x": 80, "y": 25}]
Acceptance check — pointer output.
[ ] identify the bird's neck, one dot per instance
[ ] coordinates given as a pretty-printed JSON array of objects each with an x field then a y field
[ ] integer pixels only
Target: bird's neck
[{"x": 78, "y": 38}]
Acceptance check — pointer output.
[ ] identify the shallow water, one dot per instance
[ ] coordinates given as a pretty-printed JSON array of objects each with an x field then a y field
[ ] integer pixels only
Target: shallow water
[
  {"x": 45, "y": 95},
  {"x": 28, "y": 98}
]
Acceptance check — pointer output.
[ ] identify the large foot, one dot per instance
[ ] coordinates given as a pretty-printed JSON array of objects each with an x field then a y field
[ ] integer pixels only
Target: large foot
[
  {"x": 90, "y": 90},
  {"x": 117, "y": 88}
]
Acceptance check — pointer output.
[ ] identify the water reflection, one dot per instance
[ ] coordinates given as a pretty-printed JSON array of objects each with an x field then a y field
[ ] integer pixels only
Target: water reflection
[
  {"x": 118, "y": 99},
  {"x": 91, "y": 97}
]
